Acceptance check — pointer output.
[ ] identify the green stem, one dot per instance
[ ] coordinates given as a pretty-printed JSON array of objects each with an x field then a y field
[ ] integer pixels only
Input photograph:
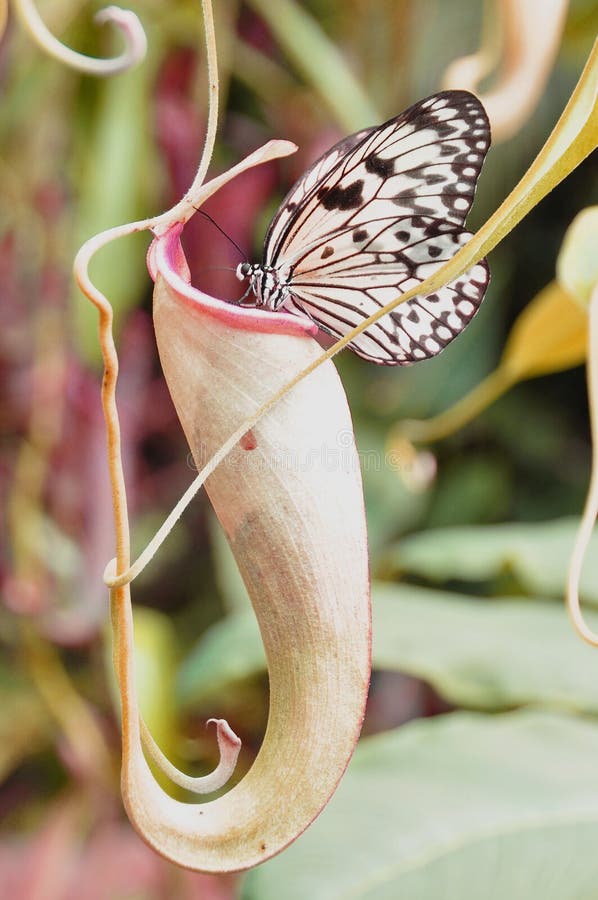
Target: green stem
[{"x": 319, "y": 61}]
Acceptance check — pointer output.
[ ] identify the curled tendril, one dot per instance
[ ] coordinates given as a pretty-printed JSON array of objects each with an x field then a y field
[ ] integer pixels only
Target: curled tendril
[
  {"x": 229, "y": 746},
  {"x": 123, "y": 19}
]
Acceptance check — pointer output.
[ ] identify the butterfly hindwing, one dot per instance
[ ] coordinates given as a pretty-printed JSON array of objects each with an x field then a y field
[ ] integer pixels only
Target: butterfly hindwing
[{"x": 360, "y": 270}]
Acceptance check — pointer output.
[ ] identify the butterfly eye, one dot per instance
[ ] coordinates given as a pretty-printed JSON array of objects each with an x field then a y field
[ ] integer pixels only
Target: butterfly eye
[{"x": 243, "y": 271}]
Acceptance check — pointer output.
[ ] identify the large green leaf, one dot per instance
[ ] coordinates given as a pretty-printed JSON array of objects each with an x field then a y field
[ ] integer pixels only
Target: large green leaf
[
  {"x": 457, "y": 807},
  {"x": 536, "y": 554},
  {"x": 484, "y": 654}
]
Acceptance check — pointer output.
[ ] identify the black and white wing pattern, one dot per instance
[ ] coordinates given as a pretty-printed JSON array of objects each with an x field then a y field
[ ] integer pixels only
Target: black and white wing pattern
[{"x": 374, "y": 217}]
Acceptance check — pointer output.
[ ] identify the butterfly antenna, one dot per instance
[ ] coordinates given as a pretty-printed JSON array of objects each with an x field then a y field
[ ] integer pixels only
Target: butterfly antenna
[
  {"x": 216, "y": 269},
  {"x": 221, "y": 230}
]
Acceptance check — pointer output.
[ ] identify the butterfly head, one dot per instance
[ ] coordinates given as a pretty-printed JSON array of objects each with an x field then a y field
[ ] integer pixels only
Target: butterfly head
[
  {"x": 244, "y": 270},
  {"x": 269, "y": 284}
]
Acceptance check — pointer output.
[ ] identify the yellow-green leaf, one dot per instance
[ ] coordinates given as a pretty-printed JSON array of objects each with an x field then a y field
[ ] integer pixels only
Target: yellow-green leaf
[
  {"x": 577, "y": 263},
  {"x": 548, "y": 336}
]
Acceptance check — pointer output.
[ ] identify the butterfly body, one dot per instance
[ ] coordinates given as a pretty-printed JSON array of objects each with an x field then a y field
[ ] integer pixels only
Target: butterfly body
[
  {"x": 371, "y": 219},
  {"x": 270, "y": 285}
]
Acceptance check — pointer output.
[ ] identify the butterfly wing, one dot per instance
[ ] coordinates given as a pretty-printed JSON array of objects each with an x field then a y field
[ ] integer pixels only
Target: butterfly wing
[{"x": 375, "y": 216}]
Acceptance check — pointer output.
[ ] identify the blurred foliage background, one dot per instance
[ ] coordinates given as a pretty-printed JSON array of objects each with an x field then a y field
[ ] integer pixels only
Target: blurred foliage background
[{"x": 469, "y": 546}]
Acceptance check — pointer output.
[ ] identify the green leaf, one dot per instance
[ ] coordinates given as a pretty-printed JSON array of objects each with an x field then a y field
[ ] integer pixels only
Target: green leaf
[
  {"x": 483, "y": 654},
  {"x": 228, "y": 652},
  {"x": 536, "y": 554},
  {"x": 457, "y": 807}
]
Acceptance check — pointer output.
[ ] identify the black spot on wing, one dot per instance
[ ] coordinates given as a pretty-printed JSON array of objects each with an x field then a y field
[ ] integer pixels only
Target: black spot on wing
[
  {"x": 442, "y": 129},
  {"x": 449, "y": 150},
  {"x": 433, "y": 179},
  {"x": 375, "y": 165},
  {"x": 341, "y": 198},
  {"x": 410, "y": 200},
  {"x": 360, "y": 234}
]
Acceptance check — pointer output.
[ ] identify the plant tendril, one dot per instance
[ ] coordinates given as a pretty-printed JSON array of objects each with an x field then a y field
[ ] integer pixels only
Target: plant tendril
[{"x": 123, "y": 20}]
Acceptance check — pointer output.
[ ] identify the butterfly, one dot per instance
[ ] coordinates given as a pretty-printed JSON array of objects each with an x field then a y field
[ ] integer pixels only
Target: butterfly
[{"x": 373, "y": 217}]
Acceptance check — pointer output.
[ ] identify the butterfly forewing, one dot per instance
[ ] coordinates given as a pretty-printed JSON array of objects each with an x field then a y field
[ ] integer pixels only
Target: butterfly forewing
[
  {"x": 374, "y": 217},
  {"x": 306, "y": 187}
]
